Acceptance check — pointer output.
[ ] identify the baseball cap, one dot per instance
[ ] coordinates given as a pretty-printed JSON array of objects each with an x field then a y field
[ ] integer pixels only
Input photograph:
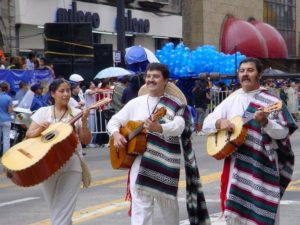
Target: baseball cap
[
  {"x": 76, "y": 77},
  {"x": 36, "y": 87}
]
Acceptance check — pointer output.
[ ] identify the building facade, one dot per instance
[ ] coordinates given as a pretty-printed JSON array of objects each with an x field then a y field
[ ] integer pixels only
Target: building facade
[
  {"x": 196, "y": 22},
  {"x": 146, "y": 24},
  {"x": 7, "y": 26},
  {"x": 203, "y": 19}
]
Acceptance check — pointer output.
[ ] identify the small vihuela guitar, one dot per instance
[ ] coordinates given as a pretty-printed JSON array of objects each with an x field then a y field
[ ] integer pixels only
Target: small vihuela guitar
[
  {"x": 223, "y": 143},
  {"x": 135, "y": 134},
  {"x": 33, "y": 160}
]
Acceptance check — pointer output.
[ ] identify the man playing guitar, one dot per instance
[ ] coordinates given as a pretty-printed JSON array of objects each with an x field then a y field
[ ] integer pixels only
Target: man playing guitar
[
  {"x": 257, "y": 173},
  {"x": 154, "y": 175}
]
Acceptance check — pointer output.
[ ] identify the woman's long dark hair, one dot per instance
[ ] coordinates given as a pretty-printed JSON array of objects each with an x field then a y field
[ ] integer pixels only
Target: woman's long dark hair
[{"x": 54, "y": 86}]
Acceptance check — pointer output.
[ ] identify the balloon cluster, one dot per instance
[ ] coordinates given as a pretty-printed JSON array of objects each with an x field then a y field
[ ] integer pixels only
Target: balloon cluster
[{"x": 182, "y": 62}]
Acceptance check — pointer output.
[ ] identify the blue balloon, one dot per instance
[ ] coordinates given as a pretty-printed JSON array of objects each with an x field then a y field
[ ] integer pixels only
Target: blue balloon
[
  {"x": 183, "y": 62},
  {"x": 170, "y": 45}
]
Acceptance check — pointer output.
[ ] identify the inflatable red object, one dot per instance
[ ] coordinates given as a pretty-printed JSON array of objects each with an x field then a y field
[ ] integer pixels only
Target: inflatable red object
[
  {"x": 275, "y": 43},
  {"x": 239, "y": 35}
]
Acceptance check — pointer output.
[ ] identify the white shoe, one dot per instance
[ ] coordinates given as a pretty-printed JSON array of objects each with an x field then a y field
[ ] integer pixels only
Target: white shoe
[{"x": 91, "y": 146}]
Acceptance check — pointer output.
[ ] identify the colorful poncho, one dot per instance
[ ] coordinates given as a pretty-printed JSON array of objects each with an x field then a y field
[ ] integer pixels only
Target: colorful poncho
[
  {"x": 257, "y": 184},
  {"x": 160, "y": 165}
]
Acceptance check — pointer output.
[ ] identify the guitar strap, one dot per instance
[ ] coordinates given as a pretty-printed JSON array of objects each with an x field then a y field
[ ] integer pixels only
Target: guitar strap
[{"x": 86, "y": 174}]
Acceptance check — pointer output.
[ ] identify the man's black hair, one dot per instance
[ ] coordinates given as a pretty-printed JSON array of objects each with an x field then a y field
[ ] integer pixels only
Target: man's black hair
[
  {"x": 160, "y": 67},
  {"x": 31, "y": 55},
  {"x": 257, "y": 62}
]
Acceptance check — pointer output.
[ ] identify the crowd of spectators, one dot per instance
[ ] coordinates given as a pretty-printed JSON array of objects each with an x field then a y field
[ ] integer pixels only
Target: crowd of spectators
[
  {"x": 205, "y": 95},
  {"x": 26, "y": 63}
]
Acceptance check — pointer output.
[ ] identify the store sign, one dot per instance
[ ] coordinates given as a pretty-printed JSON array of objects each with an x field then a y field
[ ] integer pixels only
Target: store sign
[
  {"x": 136, "y": 25},
  {"x": 117, "y": 56},
  {"x": 72, "y": 15}
]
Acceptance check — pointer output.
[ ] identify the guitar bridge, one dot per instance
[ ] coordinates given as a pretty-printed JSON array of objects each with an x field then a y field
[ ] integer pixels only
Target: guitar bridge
[{"x": 27, "y": 154}]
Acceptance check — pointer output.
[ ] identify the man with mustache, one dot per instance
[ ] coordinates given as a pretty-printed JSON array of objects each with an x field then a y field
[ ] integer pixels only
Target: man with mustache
[
  {"x": 257, "y": 173},
  {"x": 154, "y": 176}
]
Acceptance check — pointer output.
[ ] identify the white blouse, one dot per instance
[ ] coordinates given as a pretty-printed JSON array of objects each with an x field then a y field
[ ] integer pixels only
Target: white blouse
[{"x": 45, "y": 114}]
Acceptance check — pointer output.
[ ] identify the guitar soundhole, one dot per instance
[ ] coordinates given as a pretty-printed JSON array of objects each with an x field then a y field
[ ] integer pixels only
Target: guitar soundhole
[{"x": 49, "y": 136}]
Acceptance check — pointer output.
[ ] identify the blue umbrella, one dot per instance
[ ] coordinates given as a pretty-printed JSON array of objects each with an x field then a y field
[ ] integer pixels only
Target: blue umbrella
[
  {"x": 135, "y": 54},
  {"x": 113, "y": 72},
  {"x": 138, "y": 54}
]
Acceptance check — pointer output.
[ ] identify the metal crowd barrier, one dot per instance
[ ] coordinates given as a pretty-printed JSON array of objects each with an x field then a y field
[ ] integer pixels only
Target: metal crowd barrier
[
  {"x": 216, "y": 98},
  {"x": 99, "y": 120}
]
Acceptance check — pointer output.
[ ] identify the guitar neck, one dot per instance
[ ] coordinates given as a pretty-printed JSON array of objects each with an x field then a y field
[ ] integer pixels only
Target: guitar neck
[
  {"x": 94, "y": 106},
  {"x": 75, "y": 118},
  {"x": 155, "y": 116}
]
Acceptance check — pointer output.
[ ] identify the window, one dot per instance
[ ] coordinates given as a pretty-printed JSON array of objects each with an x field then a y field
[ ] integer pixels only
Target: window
[
  {"x": 96, "y": 38},
  {"x": 160, "y": 42},
  {"x": 129, "y": 41},
  {"x": 281, "y": 14}
]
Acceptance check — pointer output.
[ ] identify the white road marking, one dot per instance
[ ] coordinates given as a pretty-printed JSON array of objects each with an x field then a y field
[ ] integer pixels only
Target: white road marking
[
  {"x": 106, "y": 209},
  {"x": 289, "y": 202},
  {"x": 282, "y": 202},
  {"x": 216, "y": 218},
  {"x": 100, "y": 210},
  {"x": 18, "y": 201}
]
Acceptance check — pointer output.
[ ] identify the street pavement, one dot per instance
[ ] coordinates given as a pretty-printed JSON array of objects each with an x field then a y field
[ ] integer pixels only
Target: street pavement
[{"x": 103, "y": 203}]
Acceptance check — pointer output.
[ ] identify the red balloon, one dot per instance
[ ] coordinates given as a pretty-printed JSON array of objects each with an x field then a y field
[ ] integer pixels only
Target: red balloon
[
  {"x": 276, "y": 45},
  {"x": 239, "y": 35}
]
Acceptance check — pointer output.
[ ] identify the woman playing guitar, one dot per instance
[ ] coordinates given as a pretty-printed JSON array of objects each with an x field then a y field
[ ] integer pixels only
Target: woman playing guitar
[{"x": 61, "y": 189}]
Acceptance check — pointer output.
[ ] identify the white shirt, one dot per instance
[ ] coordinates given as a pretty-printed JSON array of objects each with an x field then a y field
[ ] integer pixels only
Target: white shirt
[
  {"x": 45, "y": 114},
  {"x": 139, "y": 109},
  {"x": 73, "y": 103},
  {"x": 90, "y": 99},
  {"x": 236, "y": 105},
  {"x": 81, "y": 96}
]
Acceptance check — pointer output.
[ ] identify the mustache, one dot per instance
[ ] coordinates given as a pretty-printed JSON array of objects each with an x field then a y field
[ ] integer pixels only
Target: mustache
[
  {"x": 151, "y": 82},
  {"x": 245, "y": 78}
]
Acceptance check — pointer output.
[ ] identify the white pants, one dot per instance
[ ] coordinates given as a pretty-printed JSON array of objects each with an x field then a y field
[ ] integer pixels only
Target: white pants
[
  {"x": 92, "y": 126},
  {"x": 142, "y": 206},
  {"x": 61, "y": 191}
]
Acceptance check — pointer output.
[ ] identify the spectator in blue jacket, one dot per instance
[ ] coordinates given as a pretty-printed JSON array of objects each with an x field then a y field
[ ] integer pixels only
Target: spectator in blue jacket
[
  {"x": 38, "y": 99},
  {"x": 5, "y": 119}
]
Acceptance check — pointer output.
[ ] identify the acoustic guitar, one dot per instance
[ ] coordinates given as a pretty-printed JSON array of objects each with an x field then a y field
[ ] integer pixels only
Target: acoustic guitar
[
  {"x": 135, "y": 134},
  {"x": 221, "y": 144},
  {"x": 34, "y": 160}
]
